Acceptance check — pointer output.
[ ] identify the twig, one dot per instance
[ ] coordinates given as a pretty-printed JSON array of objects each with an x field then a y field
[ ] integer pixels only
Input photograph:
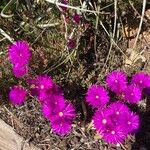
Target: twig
[
  {"x": 61, "y": 63},
  {"x": 66, "y": 27},
  {"x": 6, "y": 8},
  {"x": 95, "y": 37},
  {"x": 140, "y": 25},
  {"x": 114, "y": 31},
  {"x": 75, "y": 8},
  {"x": 113, "y": 40},
  {"x": 115, "y": 19},
  {"x": 6, "y": 35},
  {"x": 47, "y": 25}
]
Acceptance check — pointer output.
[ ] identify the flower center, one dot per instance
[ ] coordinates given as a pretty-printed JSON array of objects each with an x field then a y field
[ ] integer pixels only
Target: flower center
[
  {"x": 42, "y": 86},
  {"x": 112, "y": 132},
  {"x": 104, "y": 121},
  {"x": 129, "y": 122},
  {"x": 141, "y": 81},
  {"x": 97, "y": 97},
  {"x": 60, "y": 114},
  {"x": 123, "y": 96},
  {"x": 116, "y": 81},
  {"x": 117, "y": 112},
  {"x": 132, "y": 94},
  {"x": 20, "y": 55}
]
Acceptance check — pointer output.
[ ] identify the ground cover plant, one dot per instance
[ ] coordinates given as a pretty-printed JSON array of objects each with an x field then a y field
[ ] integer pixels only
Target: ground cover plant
[{"x": 75, "y": 74}]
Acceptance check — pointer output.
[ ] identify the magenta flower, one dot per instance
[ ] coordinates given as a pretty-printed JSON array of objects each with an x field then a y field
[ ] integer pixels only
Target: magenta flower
[
  {"x": 115, "y": 122},
  {"x": 133, "y": 94},
  {"x": 131, "y": 122},
  {"x": 20, "y": 71},
  {"x": 61, "y": 126},
  {"x": 63, "y": 8},
  {"x": 141, "y": 79},
  {"x": 105, "y": 124},
  {"x": 43, "y": 82},
  {"x": 53, "y": 106},
  {"x": 97, "y": 96},
  {"x": 71, "y": 44},
  {"x": 77, "y": 18},
  {"x": 17, "y": 95},
  {"x": 46, "y": 110},
  {"x": 61, "y": 121},
  {"x": 118, "y": 109},
  {"x": 43, "y": 85},
  {"x": 67, "y": 112},
  {"x": 116, "y": 81},
  {"x": 114, "y": 134},
  {"x": 19, "y": 53},
  {"x": 101, "y": 118}
]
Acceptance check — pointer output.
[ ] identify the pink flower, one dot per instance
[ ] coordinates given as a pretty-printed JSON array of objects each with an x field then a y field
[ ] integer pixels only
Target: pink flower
[
  {"x": 61, "y": 126},
  {"x": 101, "y": 118},
  {"x": 141, "y": 79},
  {"x": 133, "y": 94},
  {"x": 20, "y": 71},
  {"x": 116, "y": 81},
  {"x": 77, "y": 18},
  {"x": 131, "y": 122},
  {"x": 97, "y": 96},
  {"x": 43, "y": 82},
  {"x": 114, "y": 134},
  {"x": 61, "y": 121},
  {"x": 63, "y": 8},
  {"x": 53, "y": 105},
  {"x": 106, "y": 126},
  {"x": 19, "y": 53},
  {"x": 17, "y": 95},
  {"x": 117, "y": 110},
  {"x": 43, "y": 87},
  {"x": 115, "y": 122},
  {"x": 71, "y": 44}
]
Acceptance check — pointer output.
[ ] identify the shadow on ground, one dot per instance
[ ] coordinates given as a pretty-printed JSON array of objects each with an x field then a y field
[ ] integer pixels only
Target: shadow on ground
[{"x": 142, "y": 139}]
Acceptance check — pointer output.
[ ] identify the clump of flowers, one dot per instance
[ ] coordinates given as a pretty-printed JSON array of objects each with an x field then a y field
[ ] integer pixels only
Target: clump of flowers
[
  {"x": 54, "y": 107},
  {"x": 19, "y": 55},
  {"x": 114, "y": 121}
]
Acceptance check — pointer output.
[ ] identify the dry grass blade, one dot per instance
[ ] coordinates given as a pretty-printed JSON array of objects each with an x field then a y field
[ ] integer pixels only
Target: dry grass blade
[
  {"x": 140, "y": 25},
  {"x": 75, "y": 8},
  {"x": 6, "y": 8}
]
